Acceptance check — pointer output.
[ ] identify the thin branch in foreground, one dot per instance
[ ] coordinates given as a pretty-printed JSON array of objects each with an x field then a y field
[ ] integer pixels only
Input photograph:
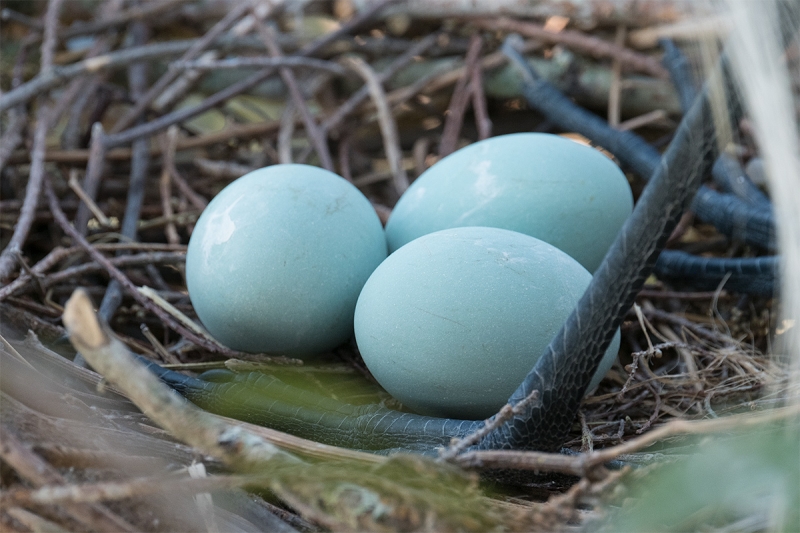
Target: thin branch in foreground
[
  {"x": 112, "y": 491},
  {"x": 391, "y": 141},
  {"x": 233, "y": 445},
  {"x": 584, "y": 465},
  {"x": 505, "y": 414},
  {"x": 129, "y": 287},
  {"x": 38, "y": 472}
]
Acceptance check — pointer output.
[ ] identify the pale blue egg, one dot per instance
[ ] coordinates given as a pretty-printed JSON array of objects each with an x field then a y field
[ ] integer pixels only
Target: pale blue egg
[
  {"x": 543, "y": 185},
  {"x": 452, "y": 322},
  {"x": 277, "y": 260}
]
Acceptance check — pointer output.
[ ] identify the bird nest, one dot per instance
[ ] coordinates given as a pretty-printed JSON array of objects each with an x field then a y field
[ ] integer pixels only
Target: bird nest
[{"x": 117, "y": 139}]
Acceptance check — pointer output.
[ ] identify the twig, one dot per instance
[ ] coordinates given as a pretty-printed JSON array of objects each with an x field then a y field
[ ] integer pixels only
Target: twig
[
  {"x": 460, "y": 100},
  {"x": 262, "y": 62},
  {"x": 12, "y": 136},
  {"x": 80, "y": 193},
  {"x": 363, "y": 93},
  {"x": 286, "y": 133},
  {"x": 707, "y": 295},
  {"x": 143, "y": 12},
  {"x": 313, "y": 130},
  {"x": 209, "y": 434},
  {"x": 126, "y": 284},
  {"x": 122, "y": 261},
  {"x": 657, "y": 115},
  {"x": 391, "y": 142},
  {"x": 656, "y": 409},
  {"x": 582, "y": 465},
  {"x": 57, "y": 75},
  {"x": 244, "y": 131},
  {"x": 10, "y": 14},
  {"x": 587, "y": 441},
  {"x": 58, "y": 254},
  {"x": 124, "y": 137},
  {"x": 505, "y": 414},
  {"x": 91, "y": 180},
  {"x": 191, "y": 325},
  {"x": 33, "y": 521},
  {"x": 36, "y": 471},
  {"x": 579, "y": 41},
  {"x": 344, "y": 157},
  {"x": 194, "y": 198},
  {"x": 693, "y": 29},
  {"x": 439, "y": 80},
  {"x": 8, "y": 258},
  {"x": 50, "y": 31},
  {"x": 700, "y": 331},
  {"x": 112, "y": 491},
  {"x": 140, "y": 161},
  {"x": 482, "y": 120},
  {"x": 166, "y": 356},
  {"x": 686, "y": 355},
  {"x": 168, "y": 77},
  {"x": 225, "y": 169},
  {"x": 615, "y": 91},
  {"x": 165, "y": 186}
]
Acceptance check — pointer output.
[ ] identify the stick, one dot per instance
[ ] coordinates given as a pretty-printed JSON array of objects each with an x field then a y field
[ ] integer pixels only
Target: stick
[
  {"x": 165, "y": 187},
  {"x": 391, "y": 142},
  {"x": 460, "y": 100},
  {"x": 176, "y": 117},
  {"x": 126, "y": 284},
  {"x": 233, "y": 445},
  {"x": 312, "y": 129},
  {"x": 581, "y": 42},
  {"x": 50, "y": 79},
  {"x": 363, "y": 93},
  {"x": 140, "y": 162},
  {"x": 168, "y": 77},
  {"x": 261, "y": 62},
  {"x": 35, "y": 470}
]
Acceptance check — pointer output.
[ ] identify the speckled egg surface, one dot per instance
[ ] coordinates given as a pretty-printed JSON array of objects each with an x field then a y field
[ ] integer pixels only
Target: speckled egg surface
[
  {"x": 543, "y": 185},
  {"x": 277, "y": 260},
  {"x": 451, "y": 323}
]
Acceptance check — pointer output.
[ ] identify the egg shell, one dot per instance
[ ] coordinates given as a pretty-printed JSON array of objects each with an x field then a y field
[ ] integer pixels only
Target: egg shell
[
  {"x": 543, "y": 185},
  {"x": 452, "y": 322},
  {"x": 277, "y": 260}
]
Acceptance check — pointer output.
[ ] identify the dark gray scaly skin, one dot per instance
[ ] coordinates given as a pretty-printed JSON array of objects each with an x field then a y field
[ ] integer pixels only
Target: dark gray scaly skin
[
  {"x": 740, "y": 219},
  {"x": 563, "y": 372},
  {"x": 264, "y": 400},
  {"x": 752, "y": 275},
  {"x": 561, "y": 375},
  {"x": 729, "y": 175},
  {"x": 680, "y": 72}
]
